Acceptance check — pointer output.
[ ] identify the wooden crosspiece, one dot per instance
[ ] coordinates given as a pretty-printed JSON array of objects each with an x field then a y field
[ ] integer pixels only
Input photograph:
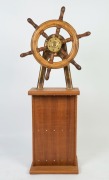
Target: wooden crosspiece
[{"x": 55, "y": 45}]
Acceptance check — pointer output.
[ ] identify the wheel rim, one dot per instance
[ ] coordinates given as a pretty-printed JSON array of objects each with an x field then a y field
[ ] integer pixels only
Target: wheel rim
[{"x": 54, "y": 23}]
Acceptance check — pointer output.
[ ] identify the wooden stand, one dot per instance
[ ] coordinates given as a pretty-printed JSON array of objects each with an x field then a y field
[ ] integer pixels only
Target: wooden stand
[{"x": 54, "y": 124}]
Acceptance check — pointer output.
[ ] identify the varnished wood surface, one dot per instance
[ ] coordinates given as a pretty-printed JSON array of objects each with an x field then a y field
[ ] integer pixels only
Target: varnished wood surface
[
  {"x": 54, "y": 169},
  {"x": 39, "y": 30},
  {"x": 46, "y": 25},
  {"x": 53, "y": 91},
  {"x": 54, "y": 125}
]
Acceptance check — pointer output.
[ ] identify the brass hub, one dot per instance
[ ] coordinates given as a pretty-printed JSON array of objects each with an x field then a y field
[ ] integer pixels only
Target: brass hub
[{"x": 54, "y": 44}]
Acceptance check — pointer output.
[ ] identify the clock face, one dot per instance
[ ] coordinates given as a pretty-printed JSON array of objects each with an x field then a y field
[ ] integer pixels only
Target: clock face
[{"x": 54, "y": 44}]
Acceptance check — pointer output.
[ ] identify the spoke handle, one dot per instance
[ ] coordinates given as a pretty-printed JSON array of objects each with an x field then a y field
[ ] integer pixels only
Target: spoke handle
[
  {"x": 32, "y": 23},
  {"x": 84, "y": 34},
  {"x": 62, "y": 13},
  {"x": 36, "y": 27},
  {"x": 26, "y": 54},
  {"x": 76, "y": 65}
]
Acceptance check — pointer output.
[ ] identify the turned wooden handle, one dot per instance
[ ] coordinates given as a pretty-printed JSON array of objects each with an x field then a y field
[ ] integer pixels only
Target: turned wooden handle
[
  {"x": 62, "y": 13},
  {"x": 26, "y": 54},
  {"x": 61, "y": 19},
  {"x": 76, "y": 65},
  {"x": 83, "y": 35},
  {"x": 36, "y": 27},
  {"x": 32, "y": 23}
]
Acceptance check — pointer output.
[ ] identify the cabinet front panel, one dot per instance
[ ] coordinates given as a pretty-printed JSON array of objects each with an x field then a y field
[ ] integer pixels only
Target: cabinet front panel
[{"x": 54, "y": 130}]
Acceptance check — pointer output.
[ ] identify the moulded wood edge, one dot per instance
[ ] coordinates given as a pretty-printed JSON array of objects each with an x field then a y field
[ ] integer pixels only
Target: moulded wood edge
[
  {"x": 54, "y": 170},
  {"x": 53, "y": 91}
]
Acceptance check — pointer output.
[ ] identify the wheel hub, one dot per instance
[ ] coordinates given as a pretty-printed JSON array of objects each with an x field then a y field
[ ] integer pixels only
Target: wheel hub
[{"x": 54, "y": 44}]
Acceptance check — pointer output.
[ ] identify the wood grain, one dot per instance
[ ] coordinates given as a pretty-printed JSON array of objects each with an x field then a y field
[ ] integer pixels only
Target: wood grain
[
  {"x": 54, "y": 170},
  {"x": 26, "y": 54},
  {"x": 76, "y": 65},
  {"x": 83, "y": 35},
  {"x": 49, "y": 24},
  {"x": 54, "y": 121},
  {"x": 53, "y": 91},
  {"x": 62, "y": 13}
]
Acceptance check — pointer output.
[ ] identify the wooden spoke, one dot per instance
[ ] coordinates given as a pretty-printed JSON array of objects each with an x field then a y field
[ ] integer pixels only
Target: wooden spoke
[
  {"x": 61, "y": 19},
  {"x": 62, "y": 13},
  {"x": 47, "y": 74},
  {"x": 67, "y": 40},
  {"x": 41, "y": 48},
  {"x": 64, "y": 53},
  {"x": 44, "y": 34},
  {"x": 36, "y": 27},
  {"x": 76, "y": 65},
  {"x": 26, "y": 54},
  {"x": 51, "y": 59},
  {"x": 58, "y": 30},
  {"x": 83, "y": 35}
]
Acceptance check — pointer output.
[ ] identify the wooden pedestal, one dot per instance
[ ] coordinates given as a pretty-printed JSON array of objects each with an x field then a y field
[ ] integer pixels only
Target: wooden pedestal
[{"x": 54, "y": 125}]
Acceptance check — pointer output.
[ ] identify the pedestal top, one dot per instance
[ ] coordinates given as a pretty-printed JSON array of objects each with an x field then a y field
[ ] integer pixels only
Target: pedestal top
[{"x": 53, "y": 91}]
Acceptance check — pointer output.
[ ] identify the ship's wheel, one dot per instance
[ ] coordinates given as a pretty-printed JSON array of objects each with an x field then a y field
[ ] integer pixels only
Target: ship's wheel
[{"x": 55, "y": 45}]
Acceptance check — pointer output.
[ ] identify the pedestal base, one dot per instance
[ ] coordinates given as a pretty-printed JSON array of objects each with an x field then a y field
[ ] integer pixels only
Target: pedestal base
[
  {"x": 54, "y": 169},
  {"x": 54, "y": 125}
]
